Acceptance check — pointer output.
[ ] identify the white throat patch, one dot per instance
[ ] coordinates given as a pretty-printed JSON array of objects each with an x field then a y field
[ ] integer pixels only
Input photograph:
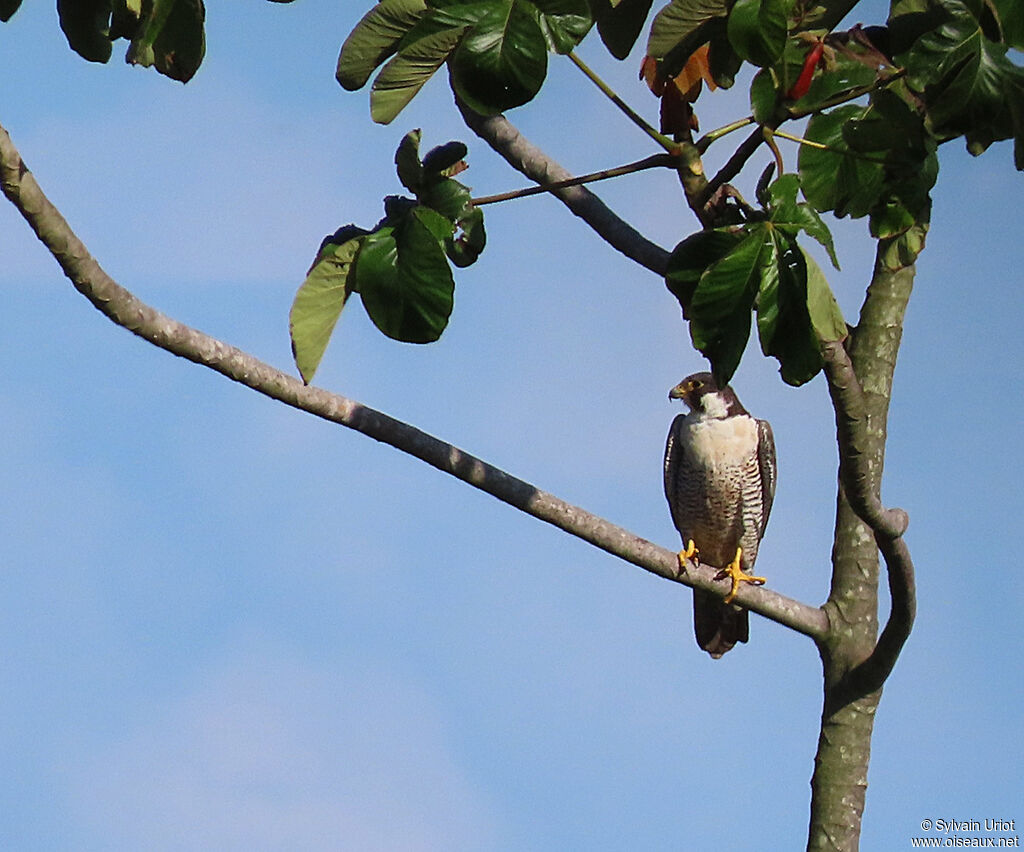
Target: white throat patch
[{"x": 714, "y": 405}]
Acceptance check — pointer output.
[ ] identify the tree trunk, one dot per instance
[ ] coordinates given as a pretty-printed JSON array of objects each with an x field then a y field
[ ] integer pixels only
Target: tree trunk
[{"x": 844, "y": 747}]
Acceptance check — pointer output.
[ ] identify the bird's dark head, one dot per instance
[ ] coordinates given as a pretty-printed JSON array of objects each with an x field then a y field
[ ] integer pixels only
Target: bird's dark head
[{"x": 702, "y": 394}]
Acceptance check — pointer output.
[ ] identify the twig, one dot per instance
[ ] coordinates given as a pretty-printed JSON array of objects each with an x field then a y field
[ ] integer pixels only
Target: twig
[
  {"x": 527, "y": 159},
  {"x": 129, "y": 312},
  {"x": 654, "y": 162},
  {"x": 666, "y": 142}
]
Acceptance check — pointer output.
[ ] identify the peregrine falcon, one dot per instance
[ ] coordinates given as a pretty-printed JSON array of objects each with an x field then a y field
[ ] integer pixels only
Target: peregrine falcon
[{"x": 720, "y": 483}]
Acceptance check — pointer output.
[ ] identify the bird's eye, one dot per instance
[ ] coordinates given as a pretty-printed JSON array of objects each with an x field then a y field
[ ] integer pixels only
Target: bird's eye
[{"x": 695, "y": 384}]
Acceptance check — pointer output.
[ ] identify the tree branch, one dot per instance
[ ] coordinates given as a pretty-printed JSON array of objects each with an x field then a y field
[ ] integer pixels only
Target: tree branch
[
  {"x": 125, "y": 310},
  {"x": 851, "y": 424},
  {"x": 529, "y": 160}
]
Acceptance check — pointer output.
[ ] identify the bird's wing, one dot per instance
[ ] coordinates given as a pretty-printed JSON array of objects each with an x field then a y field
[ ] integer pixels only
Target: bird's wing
[
  {"x": 673, "y": 456},
  {"x": 767, "y": 466}
]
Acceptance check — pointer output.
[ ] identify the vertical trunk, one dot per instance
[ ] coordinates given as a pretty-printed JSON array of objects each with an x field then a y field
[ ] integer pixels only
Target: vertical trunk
[{"x": 839, "y": 783}]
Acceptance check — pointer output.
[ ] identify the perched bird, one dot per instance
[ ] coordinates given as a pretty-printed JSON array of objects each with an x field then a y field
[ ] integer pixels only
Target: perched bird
[{"x": 720, "y": 483}]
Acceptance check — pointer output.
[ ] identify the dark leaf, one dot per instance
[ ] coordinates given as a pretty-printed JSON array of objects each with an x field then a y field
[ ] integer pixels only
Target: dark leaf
[
  {"x": 407, "y": 161},
  {"x": 404, "y": 278},
  {"x": 9, "y": 7},
  {"x": 620, "y": 24},
  {"x": 502, "y": 60},
  {"x": 86, "y": 25},
  {"x": 691, "y": 258},
  {"x": 969, "y": 85},
  {"x": 440, "y": 159},
  {"x": 783, "y": 322},
  {"x": 757, "y": 29},
  {"x": 171, "y": 38}
]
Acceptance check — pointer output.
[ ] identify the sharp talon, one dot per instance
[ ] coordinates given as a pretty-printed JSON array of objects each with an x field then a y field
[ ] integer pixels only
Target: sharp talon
[
  {"x": 737, "y": 575},
  {"x": 686, "y": 555}
]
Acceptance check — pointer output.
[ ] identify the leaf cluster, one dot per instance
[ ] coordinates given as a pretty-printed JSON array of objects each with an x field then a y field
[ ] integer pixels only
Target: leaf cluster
[
  {"x": 496, "y": 50},
  {"x": 400, "y": 268},
  {"x": 721, "y": 275}
]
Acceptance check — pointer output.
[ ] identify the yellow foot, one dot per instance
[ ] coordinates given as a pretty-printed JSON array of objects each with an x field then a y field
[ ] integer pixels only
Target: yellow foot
[
  {"x": 737, "y": 575},
  {"x": 685, "y": 555}
]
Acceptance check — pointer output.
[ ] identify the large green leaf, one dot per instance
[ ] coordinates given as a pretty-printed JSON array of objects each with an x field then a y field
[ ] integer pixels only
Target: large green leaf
[
  {"x": 682, "y": 26},
  {"x": 824, "y": 311},
  {"x": 692, "y": 257},
  {"x": 969, "y": 85},
  {"x": 375, "y": 38},
  {"x": 406, "y": 73},
  {"x": 319, "y": 302},
  {"x": 757, "y": 29},
  {"x": 720, "y": 308},
  {"x": 86, "y": 24},
  {"x": 836, "y": 178},
  {"x": 502, "y": 61},
  {"x": 783, "y": 322},
  {"x": 564, "y": 22},
  {"x": 404, "y": 279},
  {"x": 619, "y": 24},
  {"x": 793, "y": 216}
]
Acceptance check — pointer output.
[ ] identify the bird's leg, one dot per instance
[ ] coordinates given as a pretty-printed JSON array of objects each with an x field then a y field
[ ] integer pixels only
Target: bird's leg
[
  {"x": 737, "y": 575},
  {"x": 685, "y": 555}
]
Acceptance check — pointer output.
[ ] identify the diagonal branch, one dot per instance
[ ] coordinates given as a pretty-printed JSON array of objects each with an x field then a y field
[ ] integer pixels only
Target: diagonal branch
[
  {"x": 125, "y": 310},
  {"x": 529, "y": 160}
]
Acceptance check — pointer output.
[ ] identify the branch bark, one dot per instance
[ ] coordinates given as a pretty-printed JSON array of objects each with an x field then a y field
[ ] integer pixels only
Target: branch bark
[
  {"x": 527, "y": 159},
  {"x": 855, "y": 664},
  {"x": 129, "y": 312}
]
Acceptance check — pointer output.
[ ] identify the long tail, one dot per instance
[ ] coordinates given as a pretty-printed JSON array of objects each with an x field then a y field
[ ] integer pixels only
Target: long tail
[{"x": 717, "y": 625}]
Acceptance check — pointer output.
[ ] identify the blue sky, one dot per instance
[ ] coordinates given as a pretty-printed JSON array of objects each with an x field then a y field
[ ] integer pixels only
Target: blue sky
[{"x": 228, "y": 625}]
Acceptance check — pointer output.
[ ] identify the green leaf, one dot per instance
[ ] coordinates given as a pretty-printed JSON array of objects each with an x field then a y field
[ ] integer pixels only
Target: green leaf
[
  {"x": 691, "y": 258},
  {"x": 375, "y": 38},
  {"x": 9, "y": 7},
  {"x": 407, "y": 161},
  {"x": 793, "y": 216},
  {"x": 619, "y": 24},
  {"x": 405, "y": 74},
  {"x": 1010, "y": 14},
  {"x": 719, "y": 310},
  {"x": 465, "y": 245},
  {"x": 757, "y": 29},
  {"x": 837, "y": 179},
  {"x": 86, "y": 25},
  {"x": 318, "y": 304},
  {"x": 969, "y": 85},
  {"x": 564, "y": 22},
  {"x": 826, "y": 317},
  {"x": 764, "y": 97},
  {"x": 404, "y": 279},
  {"x": 171, "y": 38},
  {"x": 683, "y": 26},
  {"x": 502, "y": 60},
  {"x": 783, "y": 323}
]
